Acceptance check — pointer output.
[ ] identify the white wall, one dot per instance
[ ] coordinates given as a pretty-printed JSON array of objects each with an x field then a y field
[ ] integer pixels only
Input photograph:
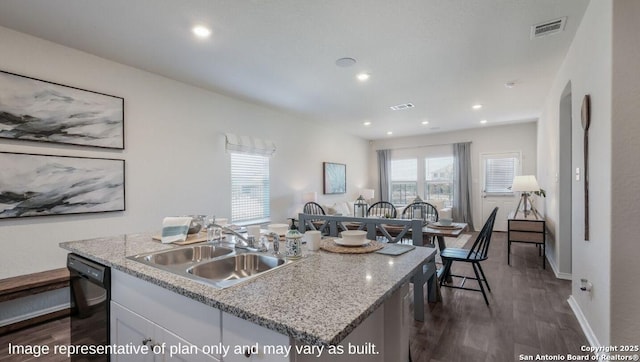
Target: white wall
[
  {"x": 175, "y": 159},
  {"x": 519, "y": 137},
  {"x": 588, "y": 67},
  {"x": 625, "y": 174}
]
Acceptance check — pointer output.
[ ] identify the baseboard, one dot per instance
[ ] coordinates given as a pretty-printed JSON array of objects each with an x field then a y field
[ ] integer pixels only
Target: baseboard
[
  {"x": 584, "y": 324},
  {"x": 558, "y": 274},
  {"x": 13, "y": 324},
  {"x": 34, "y": 314}
]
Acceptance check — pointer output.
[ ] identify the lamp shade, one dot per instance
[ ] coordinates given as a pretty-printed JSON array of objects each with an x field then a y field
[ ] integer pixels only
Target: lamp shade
[
  {"x": 310, "y": 196},
  {"x": 367, "y": 194},
  {"x": 525, "y": 183}
]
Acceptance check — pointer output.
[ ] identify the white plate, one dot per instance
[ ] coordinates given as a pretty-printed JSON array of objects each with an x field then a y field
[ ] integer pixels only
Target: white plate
[{"x": 341, "y": 242}]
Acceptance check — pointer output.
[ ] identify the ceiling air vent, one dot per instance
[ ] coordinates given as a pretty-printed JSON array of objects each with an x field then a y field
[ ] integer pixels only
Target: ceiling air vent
[
  {"x": 400, "y": 107},
  {"x": 548, "y": 28}
]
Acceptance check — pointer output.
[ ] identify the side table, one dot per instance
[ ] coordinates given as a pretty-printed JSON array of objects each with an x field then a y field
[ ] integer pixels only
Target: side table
[{"x": 526, "y": 230}]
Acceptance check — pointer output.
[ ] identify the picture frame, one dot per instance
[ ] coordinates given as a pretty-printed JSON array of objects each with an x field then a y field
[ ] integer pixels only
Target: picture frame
[
  {"x": 42, "y": 185},
  {"x": 334, "y": 177},
  {"x": 32, "y": 109}
]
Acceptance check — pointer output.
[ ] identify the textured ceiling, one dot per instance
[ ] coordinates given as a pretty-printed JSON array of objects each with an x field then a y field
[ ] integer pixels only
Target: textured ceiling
[{"x": 442, "y": 56}]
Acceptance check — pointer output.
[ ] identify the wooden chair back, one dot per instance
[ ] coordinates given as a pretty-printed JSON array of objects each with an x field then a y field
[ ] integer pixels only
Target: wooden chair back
[
  {"x": 431, "y": 211},
  {"x": 480, "y": 248},
  {"x": 313, "y": 208},
  {"x": 382, "y": 209}
]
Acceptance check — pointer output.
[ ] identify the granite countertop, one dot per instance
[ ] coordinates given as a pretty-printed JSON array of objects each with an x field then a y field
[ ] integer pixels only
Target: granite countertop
[{"x": 318, "y": 300}]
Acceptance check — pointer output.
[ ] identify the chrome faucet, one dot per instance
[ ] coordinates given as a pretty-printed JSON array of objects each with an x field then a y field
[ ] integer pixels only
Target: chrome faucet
[{"x": 242, "y": 243}]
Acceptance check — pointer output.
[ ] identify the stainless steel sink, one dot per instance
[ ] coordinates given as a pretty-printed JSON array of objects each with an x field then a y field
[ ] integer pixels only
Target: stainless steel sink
[
  {"x": 219, "y": 266},
  {"x": 236, "y": 268},
  {"x": 190, "y": 254}
]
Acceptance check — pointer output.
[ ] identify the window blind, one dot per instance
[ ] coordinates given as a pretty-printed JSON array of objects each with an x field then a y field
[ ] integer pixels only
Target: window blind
[
  {"x": 250, "y": 199},
  {"x": 499, "y": 174},
  {"x": 248, "y": 144}
]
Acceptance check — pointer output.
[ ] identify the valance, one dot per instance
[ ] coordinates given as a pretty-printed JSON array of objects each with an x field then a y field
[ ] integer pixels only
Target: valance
[{"x": 248, "y": 144}]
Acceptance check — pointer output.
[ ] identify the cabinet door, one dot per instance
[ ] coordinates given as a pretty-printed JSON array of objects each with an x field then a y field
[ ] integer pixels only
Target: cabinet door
[
  {"x": 239, "y": 332},
  {"x": 128, "y": 327},
  {"x": 177, "y": 349}
]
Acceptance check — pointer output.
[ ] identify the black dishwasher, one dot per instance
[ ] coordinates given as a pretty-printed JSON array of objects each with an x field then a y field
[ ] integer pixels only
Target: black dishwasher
[{"x": 90, "y": 314}]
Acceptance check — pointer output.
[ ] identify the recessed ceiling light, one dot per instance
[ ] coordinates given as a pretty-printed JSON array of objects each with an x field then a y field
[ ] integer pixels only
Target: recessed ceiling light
[
  {"x": 425, "y": 122},
  {"x": 483, "y": 121},
  {"x": 389, "y": 133},
  {"x": 477, "y": 106},
  {"x": 201, "y": 31},
  {"x": 366, "y": 123},
  {"x": 363, "y": 76},
  {"x": 345, "y": 62}
]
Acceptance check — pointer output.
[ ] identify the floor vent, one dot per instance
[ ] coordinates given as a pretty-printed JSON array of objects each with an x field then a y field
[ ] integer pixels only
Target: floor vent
[
  {"x": 548, "y": 28},
  {"x": 402, "y": 106}
]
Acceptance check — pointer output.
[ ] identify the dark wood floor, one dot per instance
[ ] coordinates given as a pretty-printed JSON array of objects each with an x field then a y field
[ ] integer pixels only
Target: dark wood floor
[
  {"x": 528, "y": 314},
  {"x": 50, "y": 333}
]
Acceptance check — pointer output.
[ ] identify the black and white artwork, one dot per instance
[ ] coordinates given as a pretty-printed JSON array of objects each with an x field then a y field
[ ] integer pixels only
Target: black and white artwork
[
  {"x": 38, "y": 185},
  {"x": 36, "y": 110}
]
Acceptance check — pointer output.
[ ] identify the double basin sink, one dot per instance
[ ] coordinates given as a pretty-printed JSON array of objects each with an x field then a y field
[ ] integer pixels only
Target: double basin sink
[{"x": 216, "y": 265}]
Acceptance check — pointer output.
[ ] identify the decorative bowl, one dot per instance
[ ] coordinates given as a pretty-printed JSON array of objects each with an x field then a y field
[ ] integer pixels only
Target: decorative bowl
[{"x": 354, "y": 237}]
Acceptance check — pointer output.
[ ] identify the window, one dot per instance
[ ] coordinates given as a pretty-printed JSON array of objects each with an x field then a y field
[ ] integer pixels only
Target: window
[
  {"x": 404, "y": 185},
  {"x": 499, "y": 174},
  {"x": 249, "y": 188},
  {"x": 438, "y": 184}
]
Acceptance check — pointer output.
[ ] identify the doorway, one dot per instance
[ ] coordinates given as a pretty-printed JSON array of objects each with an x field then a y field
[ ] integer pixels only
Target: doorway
[{"x": 497, "y": 173}]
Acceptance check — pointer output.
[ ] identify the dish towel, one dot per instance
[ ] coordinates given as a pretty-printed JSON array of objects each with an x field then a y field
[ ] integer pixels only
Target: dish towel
[{"x": 175, "y": 229}]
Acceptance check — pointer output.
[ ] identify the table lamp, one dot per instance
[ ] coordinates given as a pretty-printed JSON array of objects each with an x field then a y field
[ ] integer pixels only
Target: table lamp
[{"x": 525, "y": 185}]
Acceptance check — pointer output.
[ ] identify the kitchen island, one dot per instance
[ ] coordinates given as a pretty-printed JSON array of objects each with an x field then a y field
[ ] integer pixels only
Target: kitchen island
[{"x": 323, "y": 301}]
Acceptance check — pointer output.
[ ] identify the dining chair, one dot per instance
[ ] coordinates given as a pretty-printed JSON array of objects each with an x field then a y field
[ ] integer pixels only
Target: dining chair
[
  {"x": 313, "y": 208},
  {"x": 382, "y": 209},
  {"x": 476, "y": 254},
  {"x": 431, "y": 214}
]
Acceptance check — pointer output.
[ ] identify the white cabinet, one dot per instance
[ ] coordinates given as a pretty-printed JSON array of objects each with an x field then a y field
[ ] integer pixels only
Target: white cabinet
[
  {"x": 176, "y": 320},
  {"x": 397, "y": 320},
  {"x": 130, "y": 328},
  {"x": 149, "y": 341},
  {"x": 243, "y": 334},
  {"x": 142, "y": 312}
]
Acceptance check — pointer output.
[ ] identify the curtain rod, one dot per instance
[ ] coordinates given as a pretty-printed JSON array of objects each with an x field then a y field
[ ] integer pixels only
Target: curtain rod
[{"x": 425, "y": 146}]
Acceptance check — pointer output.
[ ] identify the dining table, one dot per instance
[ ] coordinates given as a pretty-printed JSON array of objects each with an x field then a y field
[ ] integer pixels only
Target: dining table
[
  {"x": 440, "y": 232},
  {"x": 429, "y": 231}
]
